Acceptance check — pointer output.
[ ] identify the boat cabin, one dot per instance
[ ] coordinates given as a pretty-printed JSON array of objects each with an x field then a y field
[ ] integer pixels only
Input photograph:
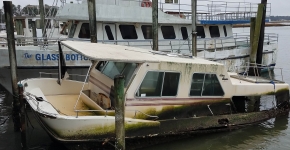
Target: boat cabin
[
  {"x": 24, "y": 26},
  {"x": 161, "y": 92},
  {"x": 128, "y": 23},
  {"x": 155, "y": 80}
]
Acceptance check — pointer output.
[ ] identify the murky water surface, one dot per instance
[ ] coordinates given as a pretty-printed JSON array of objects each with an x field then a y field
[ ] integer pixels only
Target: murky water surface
[{"x": 272, "y": 134}]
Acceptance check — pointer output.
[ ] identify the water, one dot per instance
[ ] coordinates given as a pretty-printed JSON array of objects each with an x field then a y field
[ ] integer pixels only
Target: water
[{"x": 272, "y": 134}]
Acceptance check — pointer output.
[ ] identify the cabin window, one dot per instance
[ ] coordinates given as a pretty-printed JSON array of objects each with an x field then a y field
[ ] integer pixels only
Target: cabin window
[
  {"x": 111, "y": 69},
  {"x": 29, "y": 23},
  {"x": 205, "y": 85},
  {"x": 37, "y": 24},
  {"x": 214, "y": 31},
  {"x": 225, "y": 31},
  {"x": 72, "y": 30},
  {"x": 171, "y": 1},
  {"x": 200, "y": 32},
  {"x": 156, "y": 84},
  {"x": 100, "y": 66},
  {"x": 168, "y": 32},
  {"x": 109, "y": 32},
  {"x": 85, "y": 31},
  {"x": 147, "y": 31},
  {"x": 128, "y": 31},
  {"x": 184, "y": 33}
]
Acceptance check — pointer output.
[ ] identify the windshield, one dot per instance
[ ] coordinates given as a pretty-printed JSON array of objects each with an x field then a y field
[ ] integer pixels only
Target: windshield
[{"x": 111, "y": 69}]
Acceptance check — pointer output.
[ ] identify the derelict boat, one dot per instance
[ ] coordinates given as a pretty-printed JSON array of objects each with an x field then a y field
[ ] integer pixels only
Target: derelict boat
[{"x": 165, "y": 94}]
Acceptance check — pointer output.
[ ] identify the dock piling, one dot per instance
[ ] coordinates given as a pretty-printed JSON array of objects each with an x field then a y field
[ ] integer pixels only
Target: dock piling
[
  {"x": 22, "y": 117},
  {"x": 193, "y": 34},
  {"x": 119, "y": 97},
  {"x": 253, "y": 54},
  {"x": 13, "y": 62},
  {"x": 256, "y": 40},
  {"x": 42, "y": 20},
  {"x": 155, "y": 24},
  {"x": 262, "y": 35},
  {"x": 92, "y": 20},
  {"x": 33, "y": 26}
]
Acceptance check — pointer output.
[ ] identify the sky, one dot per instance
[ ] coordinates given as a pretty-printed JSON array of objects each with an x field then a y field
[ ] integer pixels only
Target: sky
[{"x": 278, "y": 7}]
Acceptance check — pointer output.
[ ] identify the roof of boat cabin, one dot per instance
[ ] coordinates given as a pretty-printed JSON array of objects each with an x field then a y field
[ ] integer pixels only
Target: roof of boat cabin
[
  {"x": 117, "y": 13},
  {"x": 119, "y": 53}
]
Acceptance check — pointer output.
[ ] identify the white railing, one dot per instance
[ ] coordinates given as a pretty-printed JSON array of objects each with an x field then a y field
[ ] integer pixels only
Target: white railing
[
  {"x": 206, "y": 9},
  {"x": 267, "y": 73}
]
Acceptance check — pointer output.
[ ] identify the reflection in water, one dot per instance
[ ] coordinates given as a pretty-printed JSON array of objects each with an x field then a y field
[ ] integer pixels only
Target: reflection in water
[
  {"x": 36, "y": 136},
  {"x": 253, "y": 137}
]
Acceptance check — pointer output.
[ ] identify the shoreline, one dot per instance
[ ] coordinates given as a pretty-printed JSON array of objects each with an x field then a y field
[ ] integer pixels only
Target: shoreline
[{"x": 266, "y": 25}]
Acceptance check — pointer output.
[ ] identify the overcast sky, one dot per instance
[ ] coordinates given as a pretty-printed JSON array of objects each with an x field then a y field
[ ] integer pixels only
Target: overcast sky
[{"x": 279, "y": 7}]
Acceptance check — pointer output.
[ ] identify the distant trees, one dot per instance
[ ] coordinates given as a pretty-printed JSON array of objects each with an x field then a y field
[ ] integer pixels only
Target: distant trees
[
  {"x": 33, "y": 10},
  {"x": 30, "y": 10},
  {"x": 279, "y": 18}
]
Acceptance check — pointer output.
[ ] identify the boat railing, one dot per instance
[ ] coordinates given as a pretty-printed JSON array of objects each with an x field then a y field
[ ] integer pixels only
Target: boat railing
[
  {"x": 203, "y": 44},
  {"x": 206, "y": 9},
  {"x": 77, "y": 77},
  {"x": 34, "y": 98},
  {"x": 35, "y": 41},
  {"x": 267, "y": 72},
  {"x": 215, "y": 10}
]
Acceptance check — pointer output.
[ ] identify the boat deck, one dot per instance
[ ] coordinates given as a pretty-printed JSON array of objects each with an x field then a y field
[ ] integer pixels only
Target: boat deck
[
  {"x": 65, "y": 105},
  {"x": 254, "y": 79}
]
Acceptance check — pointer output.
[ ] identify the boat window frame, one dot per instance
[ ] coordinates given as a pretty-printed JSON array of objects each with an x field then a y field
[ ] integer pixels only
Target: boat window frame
[
  {"x": 182, "y": 33},
  {"x": 167, "y": 38},
  {"x": 150, "y": 97},
  {"x": 72, "y": 30},
  {"x": 134, "y": 32},
  {"x": 203, "y": 85},
  {"x": 198, "y": 33},
  {"x": 109, "y": 32},
  {"x": 80, "y": 30},
  {"x": 151, "y": 34},
  {"x": 126, "y": 83},
  {"x": 225, "y": 31},
  {"x": 213, "y": 33}
]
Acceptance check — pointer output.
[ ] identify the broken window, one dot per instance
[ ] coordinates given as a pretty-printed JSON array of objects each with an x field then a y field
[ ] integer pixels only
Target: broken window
[
  {"x": 156, "y": 84},
  {"x": 111, "y": 69},
  {"x": 205, "y": 85},
  {"x": 128, "y": 31}
]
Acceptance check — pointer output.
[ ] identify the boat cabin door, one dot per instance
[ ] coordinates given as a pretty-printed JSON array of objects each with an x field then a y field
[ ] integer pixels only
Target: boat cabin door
[{"x": 109, "y": 33}]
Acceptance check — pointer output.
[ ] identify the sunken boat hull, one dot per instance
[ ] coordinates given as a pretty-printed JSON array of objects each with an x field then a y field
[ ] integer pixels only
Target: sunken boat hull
[{"x": 164, "y": 96}]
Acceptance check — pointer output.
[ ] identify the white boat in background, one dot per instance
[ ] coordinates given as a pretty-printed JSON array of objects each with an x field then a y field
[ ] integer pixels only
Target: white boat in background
[
  {"x": 128, "y": 22},
  {"x": 164, "y": 95}
]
